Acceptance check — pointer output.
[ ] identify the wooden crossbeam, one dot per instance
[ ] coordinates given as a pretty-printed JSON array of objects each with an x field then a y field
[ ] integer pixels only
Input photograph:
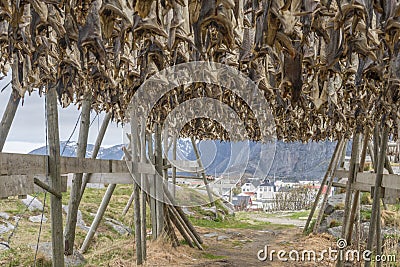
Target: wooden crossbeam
[
  {"x": 186, "y": 166},
  {"x": 22, "y": 164},
  {"x": 389, "y": 180},
  {"x": 17, "y": 172}
]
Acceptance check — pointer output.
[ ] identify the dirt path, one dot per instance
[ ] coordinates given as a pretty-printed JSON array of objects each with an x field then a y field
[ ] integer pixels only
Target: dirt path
[{"x": 239, "y": 247}]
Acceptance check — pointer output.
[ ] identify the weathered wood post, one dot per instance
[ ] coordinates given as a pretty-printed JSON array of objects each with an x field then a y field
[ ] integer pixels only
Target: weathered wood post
[
  {"x": 143, "y": 179},
  {"x": 55, "y": 178},
  {"x": 174, "y": 144},
  {"x": 96, "y": 148},
  {"x": 8, "y": 117},
  {"x": 73, "y": 204},
  {"x": 159, "y": 181},
  {"x": 136, "y": 190},
  {"x": 336, "y": 157},
  {"x": 353, "y": 170},
  {"x": 375, "y": 216},
  {"x": 203, "y": 174},
  {"x": 355, "y": 208},
  {"x": 323, "y": 182},
  {"x": 152, "y": 188},
  {"x": 98, "y": 217}
]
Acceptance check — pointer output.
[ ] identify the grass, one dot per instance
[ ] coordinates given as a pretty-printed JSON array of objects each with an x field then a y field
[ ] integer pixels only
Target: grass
[
  {"x": 230, "y": 222},
  {"x": 300, "y": 214}
]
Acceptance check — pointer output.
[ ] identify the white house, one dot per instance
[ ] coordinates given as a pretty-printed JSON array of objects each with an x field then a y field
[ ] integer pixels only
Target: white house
[
  {"x": 266, "y": 190},
  {"x": 250, "y": 186}
]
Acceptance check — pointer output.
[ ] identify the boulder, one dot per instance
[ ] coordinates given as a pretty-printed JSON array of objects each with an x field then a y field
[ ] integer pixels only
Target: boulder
[
  {"x": 32, "y": 203},
  {"x": 37, "y": 219}
]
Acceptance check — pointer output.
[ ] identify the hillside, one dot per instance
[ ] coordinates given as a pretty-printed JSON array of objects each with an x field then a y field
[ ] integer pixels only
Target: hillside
[{"x": 295, "y": 161}]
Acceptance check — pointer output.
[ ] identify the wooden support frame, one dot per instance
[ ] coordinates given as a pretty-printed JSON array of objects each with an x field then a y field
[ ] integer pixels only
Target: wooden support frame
[
  {"x": 375, "y": 216},
  {"x": 8, "y": 117},
  {"x": 74, "y": 200},
  {"x": 55, "y": 178},
  {"x": 96, "y": 149},
  {"x": 337, "y": 159},
  {"x": 203, "y": 174},
  {"x": 324, "y": 180}
]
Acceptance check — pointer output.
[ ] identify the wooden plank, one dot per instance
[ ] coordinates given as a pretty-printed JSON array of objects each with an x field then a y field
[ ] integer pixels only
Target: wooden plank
[
  {"x": 23, "y": 184},
  {"x": 110, "y": 178},
  {"x": 15, "y": 185},
  {"x": 16, "y": 164},
  {"x": 389, "y": 180},
  {"x": 22, "y": 164}
]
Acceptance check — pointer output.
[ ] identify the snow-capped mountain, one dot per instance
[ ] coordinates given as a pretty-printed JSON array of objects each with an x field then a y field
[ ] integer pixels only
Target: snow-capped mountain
[
  {"x": 69, "y": 150},
  {"x": 296, "y": 161}
]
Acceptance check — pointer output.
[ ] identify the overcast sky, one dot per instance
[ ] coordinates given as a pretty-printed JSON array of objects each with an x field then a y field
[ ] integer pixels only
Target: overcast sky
[{"x": 28, "y": 130}]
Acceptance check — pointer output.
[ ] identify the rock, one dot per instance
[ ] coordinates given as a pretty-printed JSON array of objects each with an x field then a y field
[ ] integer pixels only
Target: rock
[
  {"x": 336, "y": 200},
  {"x": 187, "y": 211},
  {"x": 118, "y": 226},
  {"x": 210, "y": 211},
  {"x": 37, "y": 219},
  {"x": 4, "y": 246},
  {"x": 4, "y": 215},
  {"x": 5, "y": 227},
  {"x": 32, "y": 203},
  {"x": 222, "y": 237},
  {"x": 335, "y": 231},
  {"x": 79, "y": 221},
  {"x": 329, "y": 209},
  {"x": 76, "y": 259},
  {"x": 336, "y": 217},
  {"x": 211, "y": 235}
]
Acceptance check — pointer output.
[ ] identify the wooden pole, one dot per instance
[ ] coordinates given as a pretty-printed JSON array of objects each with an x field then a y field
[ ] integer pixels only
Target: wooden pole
[
  {"x": 180, "y": 228},
  {"x": 336, "y": 155},
  {"x": 73, "y": 204},
  {"x": 96, "y": 149},
  {"x": 356, "y": 200},
  {"x": 200, "y": 163},
  {"x": 174, "y": 143},
  {"x": 55, "y": 178},
  {"x": 317, "y": 197},
  {"x": 143, "y": 179},
  {"x": 171, "y": 201},
  {"x": 98, "y": 217},
  {"x": 152, "y": 189},
  {"x": 353, "y": 170},
  {"x": 377, "y": 191},
  {"x": 8, "y": 117},
  {"x": 136, "y": 189},
  {"x": 159, "y": 182}
]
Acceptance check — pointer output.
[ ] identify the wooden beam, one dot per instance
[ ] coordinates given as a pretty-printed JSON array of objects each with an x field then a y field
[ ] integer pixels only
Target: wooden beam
[
  {"x": 174, "y": 148},
  {"x": 55, "y": 178},
  {"x": 323, "y": 183},
  {"x": 47, "y": 188},
  {"x": 136, "y": 189},
  {"x": 8, "y": 117},
  {"x": 353, "y": 170},
  {"x": 96, "y": 149},
  {"x": 338, "y": 156},
  {"x": 200, "y": 163},
  {"x": 388, "y": 181},
  {"x": 26, "y": 164},
  {"x": 143, "y": 182},
  {"x": 375, "y": 215},
  {"x": 74, "y": 199},
  {"x": 98, "y": 217},
  {"x": 15, "y": 185}
]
